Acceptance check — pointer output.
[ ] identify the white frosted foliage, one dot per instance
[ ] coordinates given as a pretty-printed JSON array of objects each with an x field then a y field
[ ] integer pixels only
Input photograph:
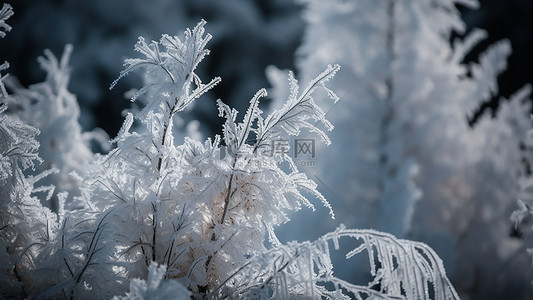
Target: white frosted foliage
[{"x": 155, "y": 219}]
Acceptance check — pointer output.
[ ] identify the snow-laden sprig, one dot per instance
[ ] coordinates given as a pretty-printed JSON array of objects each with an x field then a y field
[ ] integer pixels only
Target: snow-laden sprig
[
  {"x": 43, "y": 103},
  {"x": 17, "y": 142},
  {"x": 3, "y": 91},
  {"x": 492, "y": 62},
  {"x": 462, "y": 47},
  {"x": 57, "y": 71},
  {"x": 236, "y": 134},
  {"x": 300, "y": 111},
  {"x": 522, "y": 213},
  {"x": 296, "y": 114},
  {"x": 5, "y": 13},
  {"x": 170, "y": 85},
  {"x": 400, "y": 269},
  {"x": 169, "y": 73}
]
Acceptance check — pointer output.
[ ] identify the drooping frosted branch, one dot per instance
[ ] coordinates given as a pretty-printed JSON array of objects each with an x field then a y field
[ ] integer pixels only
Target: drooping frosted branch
[{"x": 400, "y": 269}]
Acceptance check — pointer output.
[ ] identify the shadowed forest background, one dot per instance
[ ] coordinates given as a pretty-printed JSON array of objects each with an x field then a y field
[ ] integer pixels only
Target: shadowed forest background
[{"x": 248, "y": 36}]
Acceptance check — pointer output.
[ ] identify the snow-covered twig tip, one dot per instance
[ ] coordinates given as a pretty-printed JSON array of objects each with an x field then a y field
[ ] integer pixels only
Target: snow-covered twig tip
[
  {"x": 5, "y": 13},
  {"x": 300, "y": 111}
]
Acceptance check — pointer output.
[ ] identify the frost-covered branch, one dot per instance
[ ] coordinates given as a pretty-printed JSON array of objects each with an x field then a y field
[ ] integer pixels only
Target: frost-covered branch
[
  {"x": 296, "y": 114},
  {"x": 5, "y": 13},
  {"x": 400, "y": 269},
  {"x": 298, "y": 111},
  {"x": 170, "y": 82},
  {"x": 171, "y": 72}
]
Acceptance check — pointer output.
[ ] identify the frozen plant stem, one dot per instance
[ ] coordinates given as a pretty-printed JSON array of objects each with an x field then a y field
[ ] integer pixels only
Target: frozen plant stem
[
  {"x": 228, "y": 194},
  {"x": 166, "y": 128},
  {"x": 154, "y": 231}
]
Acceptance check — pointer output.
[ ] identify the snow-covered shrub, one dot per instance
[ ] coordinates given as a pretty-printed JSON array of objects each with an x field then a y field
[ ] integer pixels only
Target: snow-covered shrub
[
  {"x": 50, "y": 107},
  {"x": 204, "y": 213},
  {"x": 404, "y": 158},
  {"x": 25, "y": 225}
]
